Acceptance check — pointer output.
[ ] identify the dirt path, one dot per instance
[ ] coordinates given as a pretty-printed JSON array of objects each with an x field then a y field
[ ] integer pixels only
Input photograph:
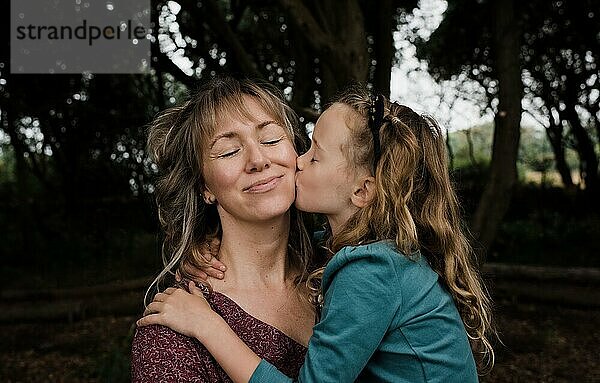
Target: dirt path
[{"x": 543, "y": 344}]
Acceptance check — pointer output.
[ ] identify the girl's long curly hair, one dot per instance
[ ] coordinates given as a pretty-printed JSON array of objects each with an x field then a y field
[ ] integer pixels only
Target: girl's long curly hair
[
  {"x": 415, "y": 205},
  {"x": 175, "y": 141}
]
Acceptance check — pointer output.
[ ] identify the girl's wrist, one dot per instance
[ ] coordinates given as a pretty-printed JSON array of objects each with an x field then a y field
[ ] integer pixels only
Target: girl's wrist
[{"x": 213, "y": 324}]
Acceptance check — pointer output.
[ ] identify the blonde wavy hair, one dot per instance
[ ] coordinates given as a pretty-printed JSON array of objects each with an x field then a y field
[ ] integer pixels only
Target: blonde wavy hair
[
  {"x": 415, "y": 205},
  {"x": 175, "y": 141}
]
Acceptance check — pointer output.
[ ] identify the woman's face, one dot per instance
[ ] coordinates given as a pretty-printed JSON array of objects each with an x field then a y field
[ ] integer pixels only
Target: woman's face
[
  {"x": 250, "y": 166},
  {"x": 323, "y": 181}
]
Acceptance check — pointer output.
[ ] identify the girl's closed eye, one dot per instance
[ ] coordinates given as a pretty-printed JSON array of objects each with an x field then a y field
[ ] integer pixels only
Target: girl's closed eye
[{"x": 313, "y": 157}]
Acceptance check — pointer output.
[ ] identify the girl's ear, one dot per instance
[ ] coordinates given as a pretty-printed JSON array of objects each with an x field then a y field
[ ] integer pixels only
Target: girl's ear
[{"x": 363, "y": 191}]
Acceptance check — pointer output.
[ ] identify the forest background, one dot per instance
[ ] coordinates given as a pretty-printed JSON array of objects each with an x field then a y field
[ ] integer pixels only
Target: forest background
[{"x": 515, "y": 84}]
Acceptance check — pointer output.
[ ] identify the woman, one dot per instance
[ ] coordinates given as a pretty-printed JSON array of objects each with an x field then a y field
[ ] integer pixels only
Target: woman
[{"x": 227, "y": 161}]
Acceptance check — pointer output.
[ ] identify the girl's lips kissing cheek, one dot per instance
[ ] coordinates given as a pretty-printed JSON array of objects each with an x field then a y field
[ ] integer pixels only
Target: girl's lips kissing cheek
[
  {"x": 264, "y": 185},
  {"x": 298, "y": 180}
]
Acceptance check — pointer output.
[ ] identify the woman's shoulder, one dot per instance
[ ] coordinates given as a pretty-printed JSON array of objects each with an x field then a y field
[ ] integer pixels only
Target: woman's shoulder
[
  {"x": 159, "y": 335},
  {"x": 157, "y": 343},
  {"x": 160, "y": 338},
  {"x": 161, "y": 354}
]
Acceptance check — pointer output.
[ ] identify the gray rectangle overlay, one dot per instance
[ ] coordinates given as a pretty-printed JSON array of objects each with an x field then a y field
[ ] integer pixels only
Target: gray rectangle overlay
[{"x": 76, "y": 36}]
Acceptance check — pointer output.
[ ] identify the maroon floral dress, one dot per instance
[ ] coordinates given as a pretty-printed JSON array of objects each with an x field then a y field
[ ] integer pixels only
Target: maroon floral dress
[{"x": 160, "y": 354}]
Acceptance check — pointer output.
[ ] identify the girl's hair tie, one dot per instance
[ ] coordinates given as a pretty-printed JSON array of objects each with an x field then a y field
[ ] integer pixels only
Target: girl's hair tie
[{"x": 375, "y": 121}]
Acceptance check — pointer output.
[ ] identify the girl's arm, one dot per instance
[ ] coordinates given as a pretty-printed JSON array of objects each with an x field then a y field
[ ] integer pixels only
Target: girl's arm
[
  {"x": 360, "y": 305},
  {"x": 191, "y": 315}
]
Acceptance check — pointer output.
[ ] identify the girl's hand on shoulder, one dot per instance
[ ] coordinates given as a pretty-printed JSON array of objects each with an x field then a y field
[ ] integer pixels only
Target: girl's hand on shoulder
[
  {"x": 213, "y": 267},
  {"x": 183, "y": 312}
]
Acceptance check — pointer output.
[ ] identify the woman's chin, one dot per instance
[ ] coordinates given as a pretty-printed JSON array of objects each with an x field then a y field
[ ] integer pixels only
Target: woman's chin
[{"x": 272, "y": 209}]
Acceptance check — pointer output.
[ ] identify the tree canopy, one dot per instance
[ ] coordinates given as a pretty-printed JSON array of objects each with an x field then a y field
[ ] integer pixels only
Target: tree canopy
[{"x": 76, "y": 138}]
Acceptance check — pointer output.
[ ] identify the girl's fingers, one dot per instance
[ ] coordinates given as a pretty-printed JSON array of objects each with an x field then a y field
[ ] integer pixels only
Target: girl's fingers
[
  {"x": 195, "y": 290},
  {"x": 216, "y": 264},
  {"x": 153, "y": 307},
  {"x": 192, "y": 288},
  {"x": 148, "y": 320},
  {"x": 160, "y": 297},
  {"x": 196, "y": 273},
  {"x": 213, "y": 270}
]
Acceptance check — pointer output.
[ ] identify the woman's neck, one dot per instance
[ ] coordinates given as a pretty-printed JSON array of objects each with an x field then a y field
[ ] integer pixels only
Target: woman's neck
[{"x": 255, "y": 253}]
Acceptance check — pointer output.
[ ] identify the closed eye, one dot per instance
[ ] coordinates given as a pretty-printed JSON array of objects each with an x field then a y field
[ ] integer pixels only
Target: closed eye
[
  {"x": 229, "y": 154},
  {"x": 272, "y": 142},
  {"x": 313, "y": 150}
]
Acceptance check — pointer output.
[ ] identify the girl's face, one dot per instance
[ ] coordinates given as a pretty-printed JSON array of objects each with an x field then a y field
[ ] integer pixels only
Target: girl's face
[
  {"x": 250, "y": 166},
  {"x": 324, "y": 181}
]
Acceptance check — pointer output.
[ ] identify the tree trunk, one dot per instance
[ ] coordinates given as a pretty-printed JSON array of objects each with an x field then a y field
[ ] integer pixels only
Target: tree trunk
[
  {"x": 384, "y": 47},
  {"x": 497, "y": 194},
  {"x": 554, "y": 133},
  {"x": 450, "y": 150},
  {"x": 21, "y": 171},
  {"x": 470, "y": 146},
  {"x": 155, "y": 54},
  {"x": 304, "y": 76},
  {"x": 585, "y": 149},
  {"x": 336, "y": 32},
  {"x": 218, "y": 23}
]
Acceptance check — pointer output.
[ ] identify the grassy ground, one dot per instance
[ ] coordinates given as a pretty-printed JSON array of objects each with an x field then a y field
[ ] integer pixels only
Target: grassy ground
[
  {"x": 94, "y": 350},
  {"x": 546, "y": 344},
  {"x": 542, "y": 344}
]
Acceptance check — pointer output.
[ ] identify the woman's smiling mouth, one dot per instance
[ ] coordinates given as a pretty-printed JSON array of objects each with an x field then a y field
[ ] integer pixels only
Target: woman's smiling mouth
[{"x": 264, "y": 185}]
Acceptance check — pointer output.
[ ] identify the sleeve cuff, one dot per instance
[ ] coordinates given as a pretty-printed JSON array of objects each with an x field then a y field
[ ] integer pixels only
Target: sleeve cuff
[{"x": 266, "y": 372}]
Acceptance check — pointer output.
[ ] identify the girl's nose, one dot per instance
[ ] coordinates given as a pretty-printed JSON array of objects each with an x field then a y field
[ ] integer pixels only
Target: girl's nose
[{"x": 301, "y": 161}]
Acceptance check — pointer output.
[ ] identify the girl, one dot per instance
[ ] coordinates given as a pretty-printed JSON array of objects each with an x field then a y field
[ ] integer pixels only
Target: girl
[{"x": 401, "y": 297}]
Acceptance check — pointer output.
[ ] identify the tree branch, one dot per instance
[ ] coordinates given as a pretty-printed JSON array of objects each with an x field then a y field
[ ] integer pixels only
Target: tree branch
[
  {"x": 220, "y": 26},
  {"x": 304, "y": 21}
]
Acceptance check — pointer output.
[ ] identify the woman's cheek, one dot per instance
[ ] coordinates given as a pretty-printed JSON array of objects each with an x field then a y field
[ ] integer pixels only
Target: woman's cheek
[
  {"x": 290, "y": 156},
  {"x": 225, "y": 173}
]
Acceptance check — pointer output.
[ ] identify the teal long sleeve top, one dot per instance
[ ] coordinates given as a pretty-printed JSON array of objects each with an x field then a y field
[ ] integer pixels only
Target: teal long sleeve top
[{"x": 385, "y": 318}]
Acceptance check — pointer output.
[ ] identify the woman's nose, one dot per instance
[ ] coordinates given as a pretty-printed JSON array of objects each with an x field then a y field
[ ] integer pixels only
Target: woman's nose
[{"x": 258, "y": 160}]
